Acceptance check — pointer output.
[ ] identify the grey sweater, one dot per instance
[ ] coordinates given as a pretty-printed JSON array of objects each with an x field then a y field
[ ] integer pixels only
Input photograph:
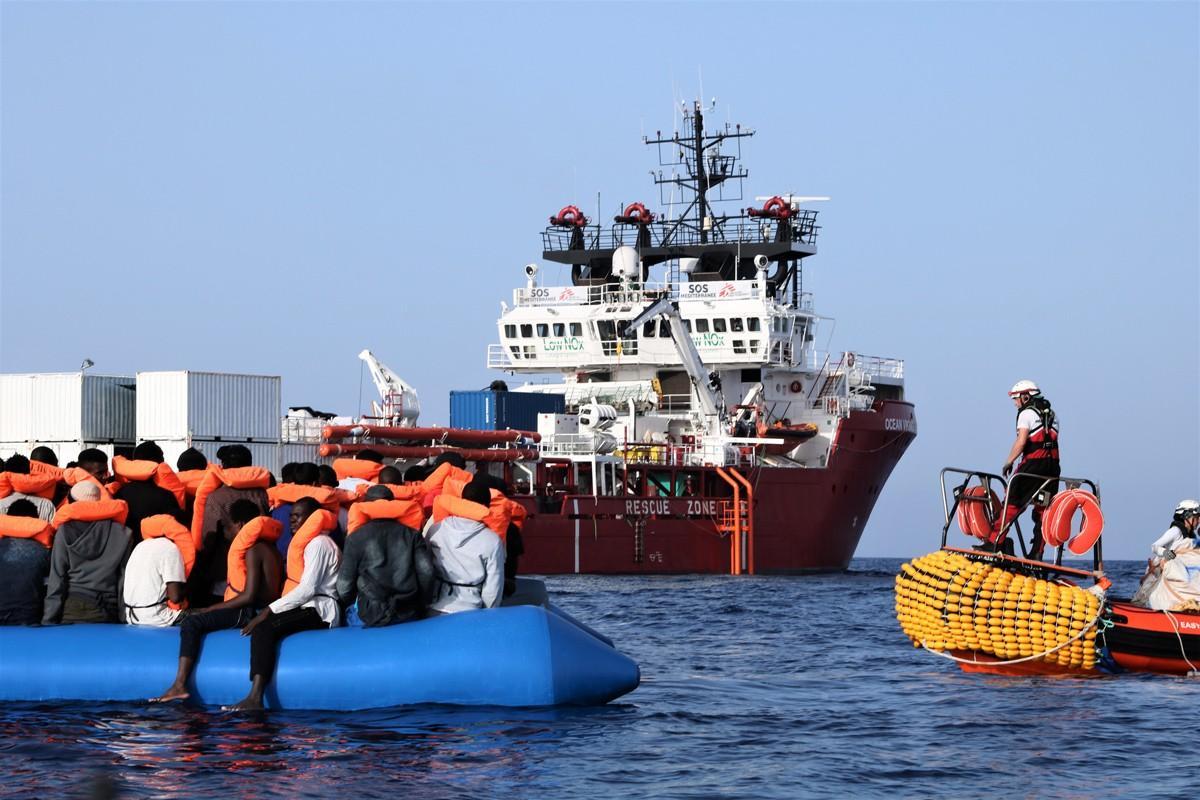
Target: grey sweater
[{"x": 87, "y": 562}]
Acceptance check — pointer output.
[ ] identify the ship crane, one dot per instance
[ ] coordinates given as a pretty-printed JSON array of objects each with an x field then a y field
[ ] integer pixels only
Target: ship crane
[
  {"x": 400, "y": 406},
  {"x": 705, "y": 383}
]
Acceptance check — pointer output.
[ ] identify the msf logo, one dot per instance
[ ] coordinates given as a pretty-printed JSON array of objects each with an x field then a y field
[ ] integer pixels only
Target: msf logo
[
  {"x": 566, "y": 294},
  {"x": 726, "y": 290}
]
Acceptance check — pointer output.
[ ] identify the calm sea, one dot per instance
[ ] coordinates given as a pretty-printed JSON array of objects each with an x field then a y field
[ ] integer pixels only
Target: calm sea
[{"x": 752, "y": 687}]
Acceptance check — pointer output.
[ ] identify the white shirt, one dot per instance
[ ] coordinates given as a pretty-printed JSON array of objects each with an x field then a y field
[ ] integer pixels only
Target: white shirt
[
  {"x": 45, "y": 508},
  {"x": 152, "y": 565},
  {"x": 1031, "y": 421},
  {"x": 318, "y": 583},
  {"x": 1171, "y": 540}
]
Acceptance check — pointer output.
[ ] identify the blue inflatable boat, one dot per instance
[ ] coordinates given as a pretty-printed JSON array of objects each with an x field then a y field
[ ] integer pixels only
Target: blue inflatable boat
[{"x": 526, "y": 655}]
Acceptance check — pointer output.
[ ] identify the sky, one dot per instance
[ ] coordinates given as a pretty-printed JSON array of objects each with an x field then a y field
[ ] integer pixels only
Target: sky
[{"x": 271, "y": 187}]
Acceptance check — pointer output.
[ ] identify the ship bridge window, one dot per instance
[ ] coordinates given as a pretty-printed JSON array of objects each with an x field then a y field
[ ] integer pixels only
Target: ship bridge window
[
  {"x": 739, "y": 346},
  {"x": 526, "y": 331},
  {"x": 607, "y": 330},
  {"x": 736, "y": 324},
  {"x": 753, "y": 324},
  {"x": 701, "y": 326},
  {"x": 649, "y": 329},
  {"x": 560, "y": 329},
  {"x": 510, "y": 331},
  {"x": 664, "y": 329},
  {"x": 687, "y": 323},
  {"x": 577, "y": 329},
  {"x": 543, "y": 330},
  {"x": 718, "y": 325}
]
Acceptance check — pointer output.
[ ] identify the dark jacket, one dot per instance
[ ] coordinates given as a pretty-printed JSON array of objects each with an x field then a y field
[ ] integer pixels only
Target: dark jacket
[
  {"x": 388, "y": 568},
  {"x": 146, "y": 499},
  {"x": 87, "y": 563},
  {"x": 23, "y": 565}
]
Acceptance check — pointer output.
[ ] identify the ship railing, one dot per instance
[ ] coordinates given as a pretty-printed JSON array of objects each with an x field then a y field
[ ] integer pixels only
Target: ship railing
[
  {"x": 880, "y": 367},
  {"x": 498, "y": 357},
  {"x": 663, "y": 455},
  {"x": 675, "y": 403},
  {"x": 802, "y": 228},
  {"x": 602, "y": 294}
]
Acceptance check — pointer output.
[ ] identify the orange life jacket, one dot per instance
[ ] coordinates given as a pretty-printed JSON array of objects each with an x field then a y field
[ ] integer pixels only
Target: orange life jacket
[
  {"x": 26, "y": 528},
  {"x": 190, "y": 478},
  {"x": 40, "y": 468},
  {"x": 74, "y": 475},
  {"x": 320, "y": 522},
  {"x": 518, "y": 513},
  {"x": 356, "y": 468},
  {"x": 258, "y": 529},
  {"x": 496, "y": 516},
  {"x": 400, "y": 491},
  {"x": 40, "y": 485},
  {"x": 161, "y": 525},
  {"x": 406, "y": 512},
  {"x": 214, "y": 478},
  {"x": 163, "y": 476},
  {"x": 435, "y": 483},
  {"x": 329, "y": 498},
  {"x": 91, "y": 511}
]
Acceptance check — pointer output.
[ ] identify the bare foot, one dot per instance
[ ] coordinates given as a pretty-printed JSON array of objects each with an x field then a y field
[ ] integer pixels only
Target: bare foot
[
  {"x": 246, "y": 704},
  {"x": 176, "y": 692}
]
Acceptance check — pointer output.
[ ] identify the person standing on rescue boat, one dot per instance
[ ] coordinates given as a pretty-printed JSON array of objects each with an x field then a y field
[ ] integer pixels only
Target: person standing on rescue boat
[
  {"x": 261, "y": 576},
  {"x": 311, "y": 604},
  {"x": 1183, "y": 530},
  {"x": 1037, "y": 447}
]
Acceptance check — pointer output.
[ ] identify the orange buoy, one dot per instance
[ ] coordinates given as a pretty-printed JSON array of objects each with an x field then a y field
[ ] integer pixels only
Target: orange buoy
[
  {"x": 1058, "y": 524},
  {"x": 978, "y": 506}
]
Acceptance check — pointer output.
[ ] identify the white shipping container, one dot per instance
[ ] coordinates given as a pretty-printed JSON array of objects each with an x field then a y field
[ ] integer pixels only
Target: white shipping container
[
  {"x": 67, "y": 406},
  {"x": 66, "y": 451},
  {"x": 207, "y": 405},
  {"x": 297, "y": 451},
  {"x": 263, "y": 454}
]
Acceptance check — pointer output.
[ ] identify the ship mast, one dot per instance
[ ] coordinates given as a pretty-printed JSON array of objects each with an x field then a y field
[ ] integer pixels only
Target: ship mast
[{"x": 707, "y": 168}]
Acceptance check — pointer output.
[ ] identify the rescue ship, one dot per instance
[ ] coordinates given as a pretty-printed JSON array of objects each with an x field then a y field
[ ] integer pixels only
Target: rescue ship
[
  {"x": 704, "y": 430},
  {"x": 1004, "y": 613}
]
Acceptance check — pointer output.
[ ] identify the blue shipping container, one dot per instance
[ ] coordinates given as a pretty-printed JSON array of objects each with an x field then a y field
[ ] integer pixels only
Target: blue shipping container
[{"x": 486, "y": 410}]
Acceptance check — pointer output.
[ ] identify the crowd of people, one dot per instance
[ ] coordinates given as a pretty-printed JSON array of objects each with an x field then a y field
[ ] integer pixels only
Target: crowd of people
[{"x": 205, "y": 547}]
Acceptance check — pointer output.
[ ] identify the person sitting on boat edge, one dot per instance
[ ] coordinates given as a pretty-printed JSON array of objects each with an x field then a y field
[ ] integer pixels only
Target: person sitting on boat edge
[
  {"x": 255, "y": 576},
  {"x": 155, "y": 585},
  {"x": 87, "y": 559},
  {"x": 387, "y": 568},
  {"x": 24, "y": 562},
  {"x": 1183, "y": 530},
  {"x": 469, "y": 556},
  {"x": 1037, "y": 446},
  {"x": 309, "y": 599},
  {"x": 39, "y": 490}
]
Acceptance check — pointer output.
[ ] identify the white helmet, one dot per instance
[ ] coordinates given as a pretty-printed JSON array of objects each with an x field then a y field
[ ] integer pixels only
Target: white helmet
[
  {"x": 1187, "y": 508},
  {"x": 1023, "y": 387}
]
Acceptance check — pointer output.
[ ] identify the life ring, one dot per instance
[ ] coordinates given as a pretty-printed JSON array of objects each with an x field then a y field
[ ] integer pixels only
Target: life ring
[
  {"x": 777, "y": 207},
  {"x": 1057, "y": 524},
  {"x": 569, "y": 216},
  {"x": 849, "y": 359},
  {"x": 637, "y": 212},
  {"x": 978, "y": 506},
  {"x": 796, "y": 386}
]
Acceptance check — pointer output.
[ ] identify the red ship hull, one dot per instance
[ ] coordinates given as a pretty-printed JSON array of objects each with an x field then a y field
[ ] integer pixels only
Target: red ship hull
[{"x": 805, "y": 520}]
